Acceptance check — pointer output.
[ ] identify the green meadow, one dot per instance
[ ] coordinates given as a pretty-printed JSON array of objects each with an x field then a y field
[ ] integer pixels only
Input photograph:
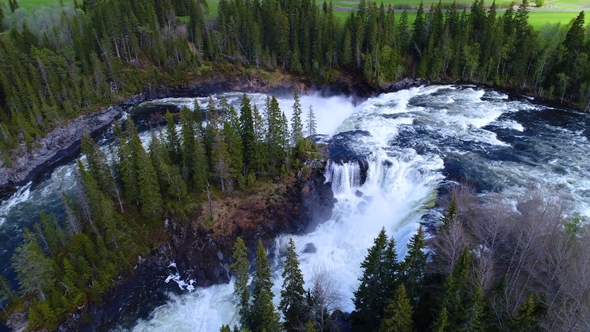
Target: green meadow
[
  {"x": 31, "y": 4},
  {"x": 556, "y": 11}
]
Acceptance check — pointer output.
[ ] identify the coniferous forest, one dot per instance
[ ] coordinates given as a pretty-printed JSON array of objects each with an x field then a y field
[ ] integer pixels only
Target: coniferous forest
[
  {"x": 72, "y": 60},
  {"x": 484, "y": 271}
]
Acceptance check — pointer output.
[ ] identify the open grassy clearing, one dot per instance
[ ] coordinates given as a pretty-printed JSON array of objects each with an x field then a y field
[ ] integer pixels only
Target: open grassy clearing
[
  {"x": 559, "y": 11},
  {"x": 31, "y": 4}
]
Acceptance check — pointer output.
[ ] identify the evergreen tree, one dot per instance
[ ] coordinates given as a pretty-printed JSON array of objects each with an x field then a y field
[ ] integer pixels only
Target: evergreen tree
[
  {"x": 413, "y": 268},
  {"x": 398, "y": 313},
  {"x": 35, "y": 271},
  {"x": 264, "y": 317},
  {"x": 6, "y": 292},
  {"x": 296, "y": 121},
  {"x": 368, "y": 299},
  {"x": 441, "y": 324},
  {"x": 126, "y": 166},
  {"x": 147, "y": 180},
  {"x": 449, "y": 216},
  {"x": 172, "y": 139},
  {"x": 525, "y": 320},
  {"x": 231, "y": 131},
  {"x": 221, "y": 160},
  {"x": 311, "y": 123},
  {"x": 247, "y": 132},
  {"x": 240, "y": 269},
  {"x": 293, "y": 296}
]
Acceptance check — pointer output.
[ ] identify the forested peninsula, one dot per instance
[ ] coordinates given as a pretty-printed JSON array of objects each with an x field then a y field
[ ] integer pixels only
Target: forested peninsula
[{"x": 223, "y": 163}]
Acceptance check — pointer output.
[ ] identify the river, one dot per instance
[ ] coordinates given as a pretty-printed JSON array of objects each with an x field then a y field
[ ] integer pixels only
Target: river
[{"x": 415, "y": 142}]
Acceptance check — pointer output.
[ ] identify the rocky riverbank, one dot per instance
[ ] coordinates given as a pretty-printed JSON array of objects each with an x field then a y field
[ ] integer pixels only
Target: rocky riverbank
[{"x": 63, "y": 142}]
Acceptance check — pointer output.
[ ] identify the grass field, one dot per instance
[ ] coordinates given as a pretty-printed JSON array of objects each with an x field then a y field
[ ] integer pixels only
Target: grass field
[
  {"x": 30, "y": 4},
  {"x": 558, "y": 10}
]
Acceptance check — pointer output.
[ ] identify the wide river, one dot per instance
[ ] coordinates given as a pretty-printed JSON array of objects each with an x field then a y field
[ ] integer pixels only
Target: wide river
[{"x": 415, "y": 142}]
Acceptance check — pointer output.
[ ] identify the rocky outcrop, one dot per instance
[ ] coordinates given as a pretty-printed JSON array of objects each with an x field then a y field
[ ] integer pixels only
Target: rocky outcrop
[{"x": 55, "y": 147}]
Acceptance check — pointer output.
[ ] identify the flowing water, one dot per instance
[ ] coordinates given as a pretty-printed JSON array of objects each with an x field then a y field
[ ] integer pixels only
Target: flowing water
[{"x": 413, "y": 143}]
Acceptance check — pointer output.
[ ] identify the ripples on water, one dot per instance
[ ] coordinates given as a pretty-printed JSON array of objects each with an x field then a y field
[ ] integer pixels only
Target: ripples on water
[{"x": 414, "y": 142}]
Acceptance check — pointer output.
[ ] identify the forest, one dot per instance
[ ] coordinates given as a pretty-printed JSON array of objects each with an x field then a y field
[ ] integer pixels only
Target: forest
[
  {"x": 489, "y": 268},
  {"x": 117, "y": 212},
  {"x": 483, "y": 271},
  {"x": 75, "y": 59}
]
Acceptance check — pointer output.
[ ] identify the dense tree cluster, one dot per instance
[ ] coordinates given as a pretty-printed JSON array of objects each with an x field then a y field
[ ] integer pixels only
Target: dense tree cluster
[
  {"x": 60, "y": 62},
  {"x": 490, "y": 269},
  {"x": 67, "y": 263}
]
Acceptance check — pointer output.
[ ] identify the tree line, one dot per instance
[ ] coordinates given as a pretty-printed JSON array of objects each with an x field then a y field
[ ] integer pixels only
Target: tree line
[
  {"x": 126, "y": 190},
  {"x": 489, "y": 268},
  {"x": 66, "y": 61}
]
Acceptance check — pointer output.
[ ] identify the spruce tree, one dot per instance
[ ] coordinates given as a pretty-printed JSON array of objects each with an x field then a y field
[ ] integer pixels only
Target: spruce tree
[
  {"x": 147, "y": 180},
  {"x": 413, "y": 268},
  {"x": 441, "y": 324},
  {"x": 311, "y": 123},
  {"x": 263, "y": 315},
  {"x": 187, "y": 147},
  {"x": 525, "y": 320},
  {"x": 240, "y": 269},
  {"x": 368, "y": 299},
  {"x": 296, "y": 121},
  {"x": 126, "y": 166},
  {"x": 398, "y": 313},
  {"x": 34, "y": 271},
  {"x": 231, "y": 131},
  {"x": 172, "y": 139},
  {"x": 293, "y": 296},
  {"x": 221, "y": 161},
  {"x": 247, "y": 132}
]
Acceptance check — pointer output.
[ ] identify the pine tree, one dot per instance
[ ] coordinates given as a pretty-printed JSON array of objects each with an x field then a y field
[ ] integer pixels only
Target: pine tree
[
  {"x": 247, "y": 132},
  {"x": 449, "y": 216},
  {"x": 221, "y": 160},
  {"x": 293, "y": 296},
  {"x": 296, "y": 121},
  {"x": 525, "y": 320},
  {"x": 311, "y": 123},
  {"x": 126, "y": 166},
  {"x": 464, "y": 307},
  {"x": 368, "y": 299},
  {"x": 71, "y": 217},
  {"x": 264, "y": 317},
  {"x": 240, "y": 269},
  {"x": 390, "y": 271},
  {"x": 231, "y": 131},
  {"x": 413, "y": 268},
  {"x": 35, "y": 271},
  {"x": 6, "y": 292},
  {"x": 187, "y": 147},
  {"x": 147, "y": 180},
  {"x": 172, "y": 139},
  {"x": 398, "y": 313},
  {"x": 441, "y": 324}
]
